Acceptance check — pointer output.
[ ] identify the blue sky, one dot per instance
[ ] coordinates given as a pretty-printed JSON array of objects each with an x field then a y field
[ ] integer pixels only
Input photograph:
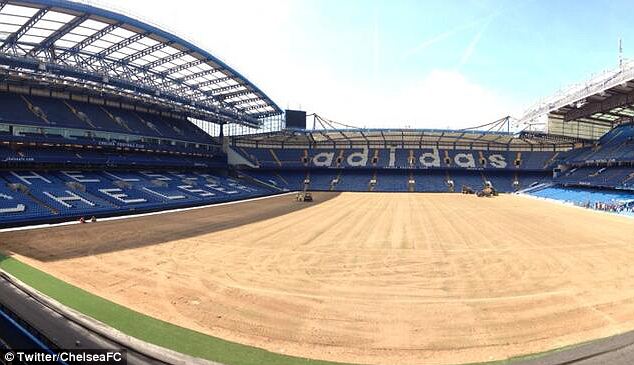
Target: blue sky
[{"x": 424, "y": 64}]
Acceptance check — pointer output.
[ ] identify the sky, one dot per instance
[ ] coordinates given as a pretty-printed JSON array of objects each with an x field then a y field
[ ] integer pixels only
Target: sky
[{"x": 400, "y": 63}]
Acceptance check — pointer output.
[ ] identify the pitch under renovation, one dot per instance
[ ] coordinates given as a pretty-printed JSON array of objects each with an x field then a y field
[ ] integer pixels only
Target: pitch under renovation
[{"x": 361, "y": 277}]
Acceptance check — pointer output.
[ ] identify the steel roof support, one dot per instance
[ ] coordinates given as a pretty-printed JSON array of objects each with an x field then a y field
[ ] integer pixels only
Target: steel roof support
[
  {"x": 219, "y": 90},
  {"x": 115, "y": 47},
  {"x": 59, "y": 33},
  {"x": 165, "y": 60},
  {"x": 88, "y": 41},
  {"x": 234, "y": 94},
  {"x": 200, "y": 85},
  {"x": 178, "y": 68},
  {"x": 114, "y": 66},
  {"x": 269, "y": 113},
  {"x": 245, "y": 101},
  {"x": 145, "y": 52},
  {"x": 15, "y": 36},
  {"x": 198, "y": 74},
  {"x": 135, "y": 56},
  {"x": 255, "y": 107}
]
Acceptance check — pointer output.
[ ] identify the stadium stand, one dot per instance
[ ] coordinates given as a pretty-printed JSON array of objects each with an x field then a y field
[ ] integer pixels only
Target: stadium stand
[
  {"x": 30, "y": 196},
  {"x": 49, "y": 112},
  {"x": 617, "y": 145},
  {"x": 396, "y": 180},
  {"x": 402, "y": 158},
  {"x": 615, "y": 201},
  {"x": 600, "y": 176}
]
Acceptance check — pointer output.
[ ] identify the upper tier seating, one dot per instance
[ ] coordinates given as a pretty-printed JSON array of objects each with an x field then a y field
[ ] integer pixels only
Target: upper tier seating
[
  {"x": 617, "y": 145},
  {"x": 49, "y": 112},
  {"x": 612, "y": 176}
]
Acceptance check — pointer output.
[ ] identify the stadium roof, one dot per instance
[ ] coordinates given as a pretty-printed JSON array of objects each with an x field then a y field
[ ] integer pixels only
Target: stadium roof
[
  {"x": 406, "y": 138},
  {"x": 608, "y": 107},
  {"x": 605, "y": 100},
  {"x": 82, "y": 43}
]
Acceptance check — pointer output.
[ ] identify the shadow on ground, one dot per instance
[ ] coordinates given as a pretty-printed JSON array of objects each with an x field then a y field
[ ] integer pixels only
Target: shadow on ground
[{"x": 65, "y": 242}]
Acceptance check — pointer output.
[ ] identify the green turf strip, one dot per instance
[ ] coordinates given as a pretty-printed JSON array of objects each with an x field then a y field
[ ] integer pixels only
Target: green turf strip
[{"x": 159, "y": 332}]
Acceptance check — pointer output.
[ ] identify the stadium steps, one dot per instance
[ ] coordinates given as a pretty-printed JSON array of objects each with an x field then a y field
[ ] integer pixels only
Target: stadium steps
[
  {"x": 551, "y": 160},
  {"x": 77, "y": 114},
  {"x": 481, "y": 159},
  {"x": 258, "y": 182},
  {"x": 307, "y": 178},
  {"x": 447, "y": 159},
  {"x": 37, "y": 111},
  {"x": 411, "y": 159},
  {"x": 340, "y": 158},
  {"x": 516, "y": 177},
  {"x": 305, "y": 158},
  {"x": 629, "y": 177},
  {"x": 371, "y": 186},
  {"x": 535, "y": 188},
  {"x": 149, "y": 125},
  {"x": 281, "y": 178},
  {"x": 41, "y": 203},
  {"x": 121, "y": 123},
  {"x": 332, "y": 184},
  {"x": 26, "y": 192},
  {"x": 450, "y": 188},
  {"x": 618, "y": 150},
  {"x": 610, "y": 174},
  {"x": 597, "y": 173},
  {"x": 277, "y": 160},
  {"x": 37, "y": 201},
  {"x": 613, "y": 137},
  {"x": 251, "y": 157},
  {"x": 411, "y": 186},
  {"x": 375, "y": 157},
  {"x": 518, "y": 160}
]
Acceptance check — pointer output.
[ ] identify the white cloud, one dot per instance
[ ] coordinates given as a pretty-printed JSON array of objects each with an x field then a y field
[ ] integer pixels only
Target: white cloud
[
  {"x": 443, "y": 99},
  {"x": 447, "y": 99},
  {"x": 262, "y": 42}
]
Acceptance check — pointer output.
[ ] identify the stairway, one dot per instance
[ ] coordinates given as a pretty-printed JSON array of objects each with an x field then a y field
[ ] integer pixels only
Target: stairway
[
  {"x": 306, "y": 179},
  {"x": 550, "y": 160},
  {"x": 450, "y": 187},
  {"x": 518, "y": 160},
  {"x": 305, "y": 158},
  {"x": 484, "y": 178},
  {"x": 375, "y": 157},
  {"x": 517, "y": 186},
  {"x": 482, "y": 159},
  {"x": 277, "y": 160},
  {"x": 332, "y": 182},
  {"x": 447, "y": 158},
  {"x": 411, "y": 160},
  {"x": 373, "y": 182},
  {"x": 340, "y": 158}
]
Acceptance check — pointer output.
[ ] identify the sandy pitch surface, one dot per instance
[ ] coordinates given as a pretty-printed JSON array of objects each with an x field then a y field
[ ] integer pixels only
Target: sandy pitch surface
[{"x": 362, "y": 277}]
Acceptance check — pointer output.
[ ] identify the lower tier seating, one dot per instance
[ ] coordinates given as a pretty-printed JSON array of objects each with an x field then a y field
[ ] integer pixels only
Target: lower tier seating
[
  {"x": 617, "y": 201},
  {"x": 39, "y": 196},
  {"x": 382, "y": 180}
]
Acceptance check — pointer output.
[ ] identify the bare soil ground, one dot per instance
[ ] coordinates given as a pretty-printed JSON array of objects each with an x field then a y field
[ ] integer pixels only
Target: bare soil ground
[{"x": 362, "y": 277}]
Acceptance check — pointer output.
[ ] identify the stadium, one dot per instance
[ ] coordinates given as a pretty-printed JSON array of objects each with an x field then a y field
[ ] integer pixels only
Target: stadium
[{"x": 155, "y": 201}]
